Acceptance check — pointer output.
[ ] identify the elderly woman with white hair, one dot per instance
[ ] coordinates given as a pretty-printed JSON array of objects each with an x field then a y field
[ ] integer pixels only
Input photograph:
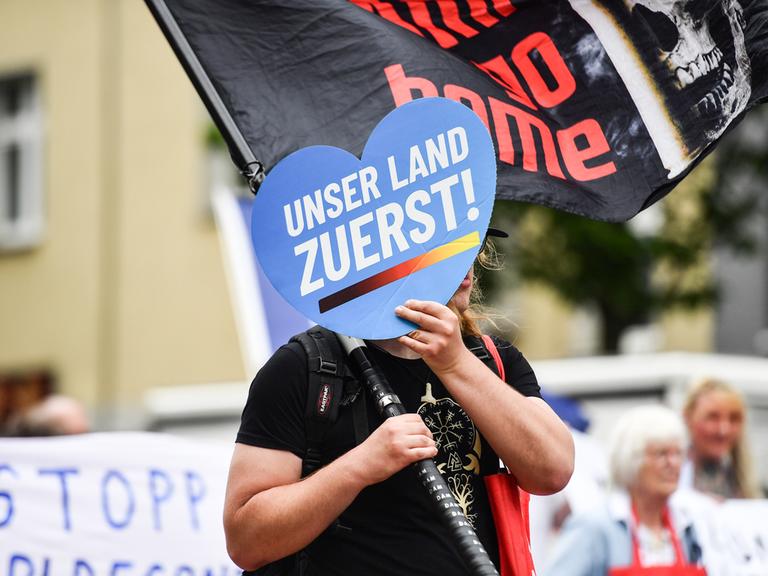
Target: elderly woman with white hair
[{"x": 638, "y": 532}]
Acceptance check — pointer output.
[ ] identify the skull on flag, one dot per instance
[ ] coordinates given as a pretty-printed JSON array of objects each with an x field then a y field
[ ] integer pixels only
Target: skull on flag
[{"x": 698, "y": 62}]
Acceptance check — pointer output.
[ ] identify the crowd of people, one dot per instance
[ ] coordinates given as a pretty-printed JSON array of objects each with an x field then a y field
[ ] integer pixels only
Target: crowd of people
[
  {"x": 467, "y": 414},
  {"x": 655, "y": 457}
]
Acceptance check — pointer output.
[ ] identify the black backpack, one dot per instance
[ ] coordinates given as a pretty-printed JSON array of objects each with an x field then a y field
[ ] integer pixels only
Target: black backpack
[{"x": 331, "y": 387}]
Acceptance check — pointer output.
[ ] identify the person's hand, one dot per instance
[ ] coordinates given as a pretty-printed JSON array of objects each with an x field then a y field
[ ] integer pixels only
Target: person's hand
[
  {"x": 398, "y": 442},
  {"x": 438, "y": 336}
]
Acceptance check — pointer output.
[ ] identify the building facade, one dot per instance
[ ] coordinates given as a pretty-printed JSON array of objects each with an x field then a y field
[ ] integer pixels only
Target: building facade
[{"x": 111, "y": 280}]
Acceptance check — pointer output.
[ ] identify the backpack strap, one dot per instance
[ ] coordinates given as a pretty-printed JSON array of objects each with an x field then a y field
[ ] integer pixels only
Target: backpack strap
[
  {"x": 331, "y": 385},
  {"x": 325, "y": 369},
  {"x": 485, "y": 349}
]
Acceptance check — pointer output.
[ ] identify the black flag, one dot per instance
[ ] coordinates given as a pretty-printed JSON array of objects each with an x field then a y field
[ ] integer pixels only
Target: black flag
[{"x": 597, "y": 107}]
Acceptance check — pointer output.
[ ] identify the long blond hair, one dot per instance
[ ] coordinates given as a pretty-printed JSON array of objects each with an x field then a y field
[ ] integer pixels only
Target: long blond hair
[
  {"x": 469, "y": 320},
  {"x": 740, "y": 454}
]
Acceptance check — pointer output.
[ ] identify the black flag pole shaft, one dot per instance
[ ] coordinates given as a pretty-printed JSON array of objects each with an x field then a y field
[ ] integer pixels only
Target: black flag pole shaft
[
  {"x": 241, "y": 153},
  {"x": 388, "y": 404}
]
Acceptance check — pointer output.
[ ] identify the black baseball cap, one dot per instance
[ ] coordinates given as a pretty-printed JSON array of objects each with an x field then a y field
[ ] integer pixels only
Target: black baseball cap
[
  {"x": 495, "y": 232},
  {"x": 492, "y": 232}
]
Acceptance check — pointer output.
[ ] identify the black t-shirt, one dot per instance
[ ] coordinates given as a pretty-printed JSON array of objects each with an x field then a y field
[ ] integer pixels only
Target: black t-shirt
[{"x": 391, "y": 528}]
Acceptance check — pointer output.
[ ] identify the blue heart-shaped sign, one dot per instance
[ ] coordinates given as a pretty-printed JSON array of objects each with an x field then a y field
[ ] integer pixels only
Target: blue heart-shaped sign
[{"x": 346, "y": 240}]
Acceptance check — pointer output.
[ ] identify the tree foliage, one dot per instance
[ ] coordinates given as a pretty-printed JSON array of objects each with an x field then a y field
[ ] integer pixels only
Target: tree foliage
[{"x": 629, "y": 274}]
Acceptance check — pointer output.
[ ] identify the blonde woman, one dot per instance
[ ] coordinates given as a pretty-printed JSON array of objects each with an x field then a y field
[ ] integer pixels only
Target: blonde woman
[{"x": 718, "y": 458}]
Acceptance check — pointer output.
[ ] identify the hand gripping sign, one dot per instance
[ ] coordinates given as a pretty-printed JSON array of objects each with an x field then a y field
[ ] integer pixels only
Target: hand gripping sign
[{"x": 345, "y": 240}]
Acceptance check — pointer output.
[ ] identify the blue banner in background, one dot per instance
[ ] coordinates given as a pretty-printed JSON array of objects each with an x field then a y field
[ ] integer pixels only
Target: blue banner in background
[
  {"x": 283, "y": 321},
  {"x": 345, "y": 240}
]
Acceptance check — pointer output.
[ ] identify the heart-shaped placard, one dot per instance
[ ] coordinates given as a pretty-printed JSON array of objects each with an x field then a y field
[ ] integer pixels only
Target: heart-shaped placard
[{"x": 346, "y": 240}]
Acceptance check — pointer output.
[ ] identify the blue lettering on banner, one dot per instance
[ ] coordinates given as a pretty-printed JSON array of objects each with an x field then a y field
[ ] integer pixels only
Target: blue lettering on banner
[
  {"x": 80, "y": 568},
  {"x": 16, "y": 560},
  {"x": 105, "y": 499},
  {"x": 6, "y": 497},
  {"x": 21, "y": 564},
  {"x": 117, "y": 567},
  {"x": 159, "y": 494},
  {"x": 62, "y": 473},
  {"x": 344, "y": 240},
  {"x": 118, "y": 498},
  {"x": 195, "y": 493}
]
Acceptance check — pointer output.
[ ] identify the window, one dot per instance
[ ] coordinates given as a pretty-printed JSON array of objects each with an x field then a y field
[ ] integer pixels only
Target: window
[{"x": 21, "y": 203}]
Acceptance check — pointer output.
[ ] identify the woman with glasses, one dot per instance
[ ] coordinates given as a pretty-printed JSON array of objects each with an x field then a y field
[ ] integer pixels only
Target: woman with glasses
[{"x": 639, "y": 532}]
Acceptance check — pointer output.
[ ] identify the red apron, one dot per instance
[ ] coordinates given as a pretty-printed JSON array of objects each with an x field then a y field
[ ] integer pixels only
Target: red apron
[{"x": 679, "y": 568}]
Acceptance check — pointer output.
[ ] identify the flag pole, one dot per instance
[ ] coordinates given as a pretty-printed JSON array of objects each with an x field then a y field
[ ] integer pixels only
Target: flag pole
[
  {"x": 242, "y": 155},
  {"x": 388, "y": 405}
]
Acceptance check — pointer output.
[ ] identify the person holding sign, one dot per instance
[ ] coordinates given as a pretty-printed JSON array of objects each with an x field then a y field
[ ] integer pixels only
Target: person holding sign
[
  {"x": 363, "y": 511},
  {"x": 640, "y": 532}
]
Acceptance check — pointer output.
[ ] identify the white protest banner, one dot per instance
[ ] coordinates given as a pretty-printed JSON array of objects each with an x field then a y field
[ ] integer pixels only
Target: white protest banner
[
  {"x": 738, "y": 539},
  {"x": 113, "y": 504},
  {"x": 733, "y": 534}
]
